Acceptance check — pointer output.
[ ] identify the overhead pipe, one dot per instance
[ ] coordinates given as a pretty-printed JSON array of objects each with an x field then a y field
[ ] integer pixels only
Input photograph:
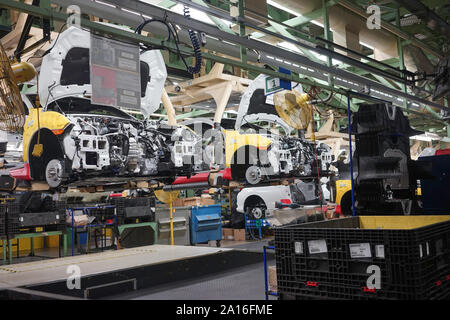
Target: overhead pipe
[
  {"x": 129, "y": 19},
  {"x": 196, "y": 185},
  {"x": 101, "y": 9},
  {"x": 385, "y": 44}
]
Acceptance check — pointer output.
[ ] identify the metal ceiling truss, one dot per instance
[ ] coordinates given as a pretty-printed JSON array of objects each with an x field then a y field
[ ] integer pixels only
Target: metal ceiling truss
[
  {"x": 134, "y": 11},
  {"x": 276, "y": 56}
]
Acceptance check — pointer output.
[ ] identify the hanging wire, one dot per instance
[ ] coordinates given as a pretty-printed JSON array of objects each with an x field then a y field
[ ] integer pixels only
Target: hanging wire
[{"x": 173, "y": 35}]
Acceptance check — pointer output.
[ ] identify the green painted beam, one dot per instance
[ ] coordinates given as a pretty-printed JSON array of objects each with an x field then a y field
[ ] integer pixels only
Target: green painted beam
[
  {"x": 385, "y": 81},
  {"x": 394, "y": 29},
  {"x": 283, "y": 31},
  {"x": 219, "y": 23},
  {"x": 136, "y": 38},
  {"x": 167, "y": 4},
  {"x": 297, "y": 21}
]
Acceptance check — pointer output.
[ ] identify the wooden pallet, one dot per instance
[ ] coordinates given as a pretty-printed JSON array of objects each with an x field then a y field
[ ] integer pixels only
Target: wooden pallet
[
  {"x": 215, "y": 84},
  {"x": 96, "y": 185}
]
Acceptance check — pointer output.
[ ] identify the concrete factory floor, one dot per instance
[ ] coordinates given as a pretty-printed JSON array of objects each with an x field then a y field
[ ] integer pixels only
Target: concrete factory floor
[
  {"x": 240, "y": 280},
  {"x": 237, "y": 284},
  {"x": 43, "y": 271},
  {"x": 245, "y": 283}
]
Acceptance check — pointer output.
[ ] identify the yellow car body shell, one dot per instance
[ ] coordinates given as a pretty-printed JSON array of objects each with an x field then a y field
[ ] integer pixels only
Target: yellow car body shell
[
  {"x": 342, "y": 187},
  {"x": 235, "y": 140},
  {"x": 51, "y": 120}
]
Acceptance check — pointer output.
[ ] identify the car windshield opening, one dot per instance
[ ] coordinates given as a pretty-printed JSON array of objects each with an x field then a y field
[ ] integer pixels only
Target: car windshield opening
[{"x": 73, "y": 105}]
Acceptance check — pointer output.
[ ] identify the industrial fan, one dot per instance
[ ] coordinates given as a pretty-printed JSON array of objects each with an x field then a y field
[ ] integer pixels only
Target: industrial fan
[
  {"x": 12, "y": 110},
  {"x": 167, "y": 196},
  {"x": 293, "y": 108}
]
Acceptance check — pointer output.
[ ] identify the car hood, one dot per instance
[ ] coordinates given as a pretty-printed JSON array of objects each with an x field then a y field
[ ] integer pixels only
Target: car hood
[
  {"x": 65, "y": 71},
  {"x": 255, "y": 107}
]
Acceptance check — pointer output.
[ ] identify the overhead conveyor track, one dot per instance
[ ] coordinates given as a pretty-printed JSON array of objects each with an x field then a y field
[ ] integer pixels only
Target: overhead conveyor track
[
  {"x": 135, "y": 11},
  {"x": 126, "y": 12}
]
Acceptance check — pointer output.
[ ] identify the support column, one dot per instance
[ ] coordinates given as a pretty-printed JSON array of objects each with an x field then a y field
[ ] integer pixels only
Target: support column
[
  {"x": 241, "y": 6},
  {"x": 327, "y": 36},
  {"x": 400, "y": 54}
]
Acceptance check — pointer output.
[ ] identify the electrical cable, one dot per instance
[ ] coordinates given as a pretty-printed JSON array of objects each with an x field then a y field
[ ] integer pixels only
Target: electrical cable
[
  {"x": 195, "y": 44},
  {"x": 173, "y": 35},
  {"x": 56, "y": 41}
]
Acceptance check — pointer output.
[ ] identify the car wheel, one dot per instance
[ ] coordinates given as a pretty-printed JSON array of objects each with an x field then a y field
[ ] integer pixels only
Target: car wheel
[
  {"x": 253, "y": 175},
  {"x": 257, "y": 211},
  {"x": 54, "y": 172}
]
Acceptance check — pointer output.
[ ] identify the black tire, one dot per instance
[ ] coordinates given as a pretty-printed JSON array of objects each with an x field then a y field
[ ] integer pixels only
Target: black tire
[
  {"x": 238, "y": 172},
  {"x": 346, "y": 204}
]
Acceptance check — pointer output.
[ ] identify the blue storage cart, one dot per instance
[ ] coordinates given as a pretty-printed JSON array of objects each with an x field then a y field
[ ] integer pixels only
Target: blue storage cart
[
  {"x": 257, "y": 224},
  {"x": 206, "y": 224}
]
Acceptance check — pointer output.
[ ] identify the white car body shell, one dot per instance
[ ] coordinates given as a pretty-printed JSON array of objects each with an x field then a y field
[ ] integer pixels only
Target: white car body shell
[
  {"x": 270, "y": 195},
  {"x": 50, "y": 88}
]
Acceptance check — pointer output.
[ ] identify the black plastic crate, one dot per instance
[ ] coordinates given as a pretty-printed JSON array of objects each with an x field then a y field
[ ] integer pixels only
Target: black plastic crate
[
  {"x": 119, "y": 204},
  {"x": 139, "y": 202},
  {"x": 330, "y": 259},
  {"x": 38, "y": 219},
  {"x": 2, "y": 226},
  {"x": 102, "y": 214},
  {"x": 2, "y": 211},
  {"x": 13, "y": 209},
  {"x": 375, "y": 145},
  {"x": 2, "y": 219},
  {"x": 134, "y": 210}
]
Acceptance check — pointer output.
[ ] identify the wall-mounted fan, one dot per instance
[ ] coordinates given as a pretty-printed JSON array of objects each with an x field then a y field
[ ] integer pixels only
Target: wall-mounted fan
[{"x": 12, "y": 109}]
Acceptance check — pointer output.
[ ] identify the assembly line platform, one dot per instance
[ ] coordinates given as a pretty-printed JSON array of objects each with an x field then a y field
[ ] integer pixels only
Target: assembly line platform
[{"x": 117, "y": 271}]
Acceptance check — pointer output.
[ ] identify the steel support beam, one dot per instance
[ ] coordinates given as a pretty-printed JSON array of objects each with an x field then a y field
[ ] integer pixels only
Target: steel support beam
[
  {"x": 391, "y": 28},
  {"x": 316, "y": 69},
  {"x": 287, "y": 59},
  {"x": 418, "y": 8},
  {"x": 298, "y": 21},
  {"x": 269, "y": 48}
]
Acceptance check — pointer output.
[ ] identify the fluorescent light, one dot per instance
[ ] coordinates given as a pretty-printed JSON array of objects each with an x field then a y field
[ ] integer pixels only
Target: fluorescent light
[
  {"x": 130, "y": 11},
  {"x": 106, "y": 4},
  {"x": 197, "y": 14},
  {"x": 317, "y": 23},
  {"x": 288, "y": 45},
  {"x": 366, "y": 45},
  {"x": 279, "y": 6}
]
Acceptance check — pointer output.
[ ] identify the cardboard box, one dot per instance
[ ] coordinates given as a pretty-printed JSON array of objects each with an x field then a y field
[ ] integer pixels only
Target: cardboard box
[
  {"x": 272, "y": 278},
  {"x": 207, "y": 202},
  {"x": 239, "y": 234},
  {"x": 194, "y": 201},
  {"x": 227, "y": 234}
]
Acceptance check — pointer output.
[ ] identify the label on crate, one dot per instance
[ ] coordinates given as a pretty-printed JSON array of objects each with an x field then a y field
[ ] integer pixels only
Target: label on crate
[
  {"x": 298, "y": 247},
  {"x": 317, "y": 246},
  {"x": 360, "y": 250},
  {"x": 379, "y": 251},
  {"x": 427, "y": 246}
]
